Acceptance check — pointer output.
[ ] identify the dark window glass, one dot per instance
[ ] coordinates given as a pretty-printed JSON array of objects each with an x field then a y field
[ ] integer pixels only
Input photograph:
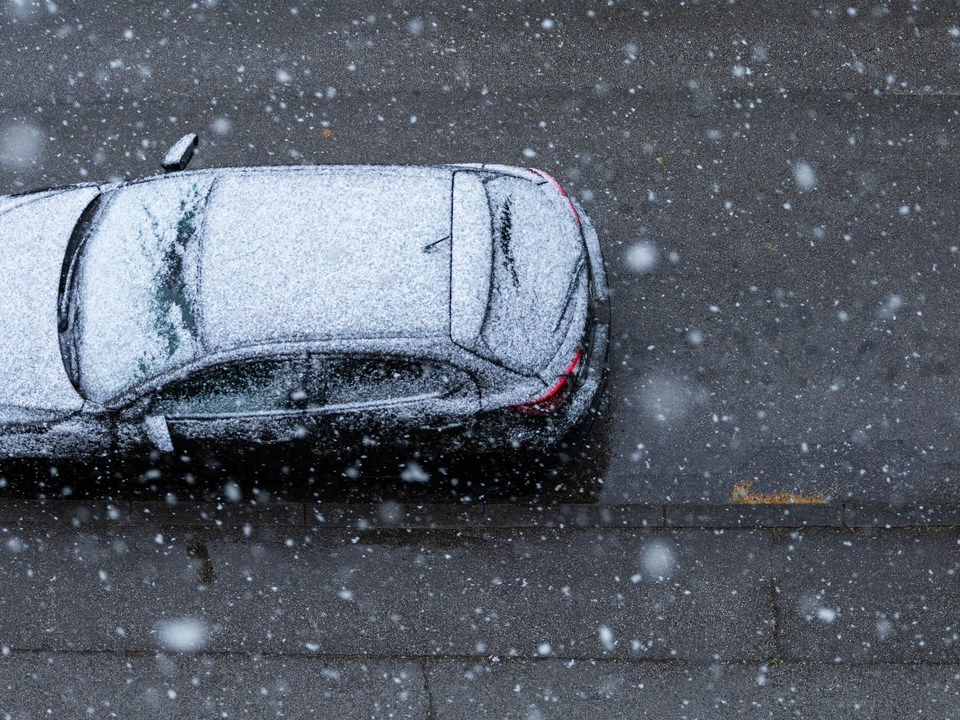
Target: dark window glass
[
  {"x": 249, "y": 387},
  {"x": 339, "y": 380}
]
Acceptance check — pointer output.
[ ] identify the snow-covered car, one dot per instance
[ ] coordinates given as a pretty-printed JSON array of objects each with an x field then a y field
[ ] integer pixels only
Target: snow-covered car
[{"x": 317, "y": 312}]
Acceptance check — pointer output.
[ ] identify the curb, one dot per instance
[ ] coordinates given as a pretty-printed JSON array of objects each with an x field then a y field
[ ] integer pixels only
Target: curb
[{"x": 393, "y": 515}]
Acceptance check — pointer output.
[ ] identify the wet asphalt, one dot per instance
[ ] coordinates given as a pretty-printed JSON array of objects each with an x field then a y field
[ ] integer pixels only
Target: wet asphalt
[{"x": 774, "y": 190}]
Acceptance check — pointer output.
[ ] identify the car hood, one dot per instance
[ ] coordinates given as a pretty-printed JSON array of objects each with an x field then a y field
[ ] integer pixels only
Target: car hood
[{"x": 34, "y": 232}]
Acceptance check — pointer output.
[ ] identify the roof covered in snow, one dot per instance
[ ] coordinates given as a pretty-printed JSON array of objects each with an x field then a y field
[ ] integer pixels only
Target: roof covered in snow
[
  {"x": 192, "y": 263},
  {"x": 333, "y": 252}
]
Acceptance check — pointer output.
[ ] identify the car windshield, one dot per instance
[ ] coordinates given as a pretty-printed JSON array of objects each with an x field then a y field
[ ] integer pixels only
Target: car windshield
[{"x": 135, "y": 283}]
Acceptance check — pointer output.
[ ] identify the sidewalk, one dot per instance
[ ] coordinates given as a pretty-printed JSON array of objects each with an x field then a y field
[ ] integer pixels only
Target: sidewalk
[{"x": 483, "y": 611}]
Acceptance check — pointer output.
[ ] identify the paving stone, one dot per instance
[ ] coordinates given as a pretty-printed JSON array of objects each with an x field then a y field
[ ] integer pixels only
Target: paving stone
[
  {"x": 556, "y": 690},
  {"x": 856, "y": 596},
  {"x": 611, "y": 516},
  {"x": 751, "y": 515},
  {"x": 895, "y": 516},
  {"x": 75, "y": 512},
  {"x": 216, "y": 514},
  {"x": 688, "y": 594},
  {"x": 179, "y": 685},
  {"x": 393, "y": 513}
]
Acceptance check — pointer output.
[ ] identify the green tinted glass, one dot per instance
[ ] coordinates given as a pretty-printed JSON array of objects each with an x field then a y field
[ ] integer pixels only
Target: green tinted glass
[{"x": 229, "y": 389}]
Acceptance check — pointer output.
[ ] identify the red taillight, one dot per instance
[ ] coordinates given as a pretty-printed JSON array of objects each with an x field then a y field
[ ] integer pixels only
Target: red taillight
[
  {"x": 553, "y": 398},
  {"x": 549, "y": 178}
]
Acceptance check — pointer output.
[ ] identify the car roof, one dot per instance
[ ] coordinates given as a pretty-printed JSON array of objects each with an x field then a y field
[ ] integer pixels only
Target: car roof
[{"x": 325, "y": 252}]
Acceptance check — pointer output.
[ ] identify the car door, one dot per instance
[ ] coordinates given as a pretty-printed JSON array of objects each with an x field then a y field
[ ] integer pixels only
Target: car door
[
  {"x": 231, "y": 412},
  {"x": 83, "y": 438},
  {"x": 386, "y": 406}
]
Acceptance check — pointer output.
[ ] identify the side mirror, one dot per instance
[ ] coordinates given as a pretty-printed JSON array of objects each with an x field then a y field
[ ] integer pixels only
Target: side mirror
[
  {"x": 158, "y": 432},
  {"x": 180, "y": 153}
]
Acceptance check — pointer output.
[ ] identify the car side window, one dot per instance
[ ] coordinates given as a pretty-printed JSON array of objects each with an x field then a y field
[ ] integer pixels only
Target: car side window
[
  {"x": 231, "y": 389},
  {"x": 364, "y": 379}
]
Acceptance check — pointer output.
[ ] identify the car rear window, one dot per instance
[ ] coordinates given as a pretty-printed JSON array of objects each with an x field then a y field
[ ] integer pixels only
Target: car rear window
[{"x": 537, "y": 250}]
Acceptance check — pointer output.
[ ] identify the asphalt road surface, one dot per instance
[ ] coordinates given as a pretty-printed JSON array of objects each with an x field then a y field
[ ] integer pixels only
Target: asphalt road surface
[
  {"x": 774, "y": 189},
  {"x": 775, "y": 199}
]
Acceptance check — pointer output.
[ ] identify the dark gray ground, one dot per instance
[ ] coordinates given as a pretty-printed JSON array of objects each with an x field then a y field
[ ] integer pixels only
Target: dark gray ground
[
  {"x": 795, "y": 331},
  {"x": 791, "y": 165},
  {"x": 434, "y": 612}
]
